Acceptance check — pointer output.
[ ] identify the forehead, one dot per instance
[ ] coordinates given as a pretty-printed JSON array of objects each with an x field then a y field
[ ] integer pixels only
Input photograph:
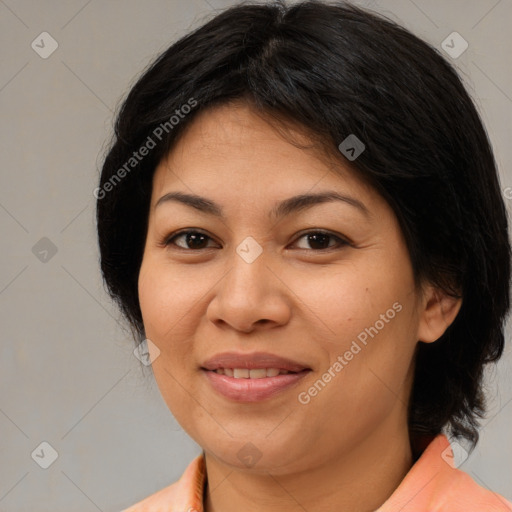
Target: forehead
[{"x": 233, "y": 148}]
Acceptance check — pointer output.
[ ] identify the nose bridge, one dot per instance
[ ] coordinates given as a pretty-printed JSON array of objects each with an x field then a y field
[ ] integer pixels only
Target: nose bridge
[
  {"x": 249, "y": 292},
  {"x": 249, "y": 268}
]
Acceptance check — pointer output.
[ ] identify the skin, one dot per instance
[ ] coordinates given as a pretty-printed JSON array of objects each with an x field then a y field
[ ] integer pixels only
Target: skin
[{"x": 349, "y": 447}]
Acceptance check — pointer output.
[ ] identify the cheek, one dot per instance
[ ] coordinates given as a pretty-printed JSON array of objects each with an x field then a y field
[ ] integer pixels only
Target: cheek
[
  {"x": 368, "y": 373},
  {"x": 374, "y": 296},
  {"x": 370, "y": 315},
  {"x": 166, "y": 304},
  {"x": 166, "y": 298},
  {"x": 349, "y": 300}
]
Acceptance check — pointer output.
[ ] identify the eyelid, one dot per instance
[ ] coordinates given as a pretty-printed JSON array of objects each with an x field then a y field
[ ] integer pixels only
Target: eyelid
[
  {"x": 341, "y": 239},
  {"x": 166, "y": 240}
]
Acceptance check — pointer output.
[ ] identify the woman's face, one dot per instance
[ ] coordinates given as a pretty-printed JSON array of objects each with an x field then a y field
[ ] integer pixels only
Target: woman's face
[{"x": 341, "y": 303}]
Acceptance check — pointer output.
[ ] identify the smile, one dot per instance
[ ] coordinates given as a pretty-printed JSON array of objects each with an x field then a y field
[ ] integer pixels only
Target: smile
[
  {"x": 257, "y": 373},
  {"x": 245, "y": 386}
]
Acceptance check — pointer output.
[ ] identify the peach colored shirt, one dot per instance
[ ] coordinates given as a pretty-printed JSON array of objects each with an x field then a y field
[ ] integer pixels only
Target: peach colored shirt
[{"x": 431, "y": 485}]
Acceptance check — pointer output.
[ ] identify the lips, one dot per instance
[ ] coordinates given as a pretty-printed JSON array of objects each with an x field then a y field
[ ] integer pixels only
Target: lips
[
  {"x": 240, "y": 377},
  {"x": 257, "y": 360}
]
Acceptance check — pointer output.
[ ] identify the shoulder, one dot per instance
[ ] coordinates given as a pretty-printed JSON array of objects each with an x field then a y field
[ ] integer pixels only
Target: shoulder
[
  {"x": 456, "y": 490},
  {"x": 157, "y": 501},
  {"x": 185, "y": 495},
  {"x": 436, "y": 485}
]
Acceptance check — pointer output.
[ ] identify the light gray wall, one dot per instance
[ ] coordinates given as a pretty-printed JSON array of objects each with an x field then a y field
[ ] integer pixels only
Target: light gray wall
[{"x": 68, "y": 376}]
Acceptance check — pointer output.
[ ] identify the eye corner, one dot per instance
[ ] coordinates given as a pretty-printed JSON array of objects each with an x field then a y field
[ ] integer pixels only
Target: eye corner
[
  {"x": 167, "y": 241},
  {"x": 341, "y": 241}
]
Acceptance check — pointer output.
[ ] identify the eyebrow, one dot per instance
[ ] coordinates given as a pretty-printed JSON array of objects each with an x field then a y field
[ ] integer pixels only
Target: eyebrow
[{"x": 293, "y": 204}]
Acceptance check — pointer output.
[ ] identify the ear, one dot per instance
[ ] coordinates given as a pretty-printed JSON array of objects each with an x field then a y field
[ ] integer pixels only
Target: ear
[{"x": 439, "y": 310}]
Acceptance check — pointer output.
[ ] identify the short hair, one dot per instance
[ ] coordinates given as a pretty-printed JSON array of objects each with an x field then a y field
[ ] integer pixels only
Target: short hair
[{"x": 338, "y": 70}]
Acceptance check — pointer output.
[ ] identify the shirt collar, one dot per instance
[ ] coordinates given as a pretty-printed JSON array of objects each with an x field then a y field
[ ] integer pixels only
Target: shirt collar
[{"x": 433, "y": 473}]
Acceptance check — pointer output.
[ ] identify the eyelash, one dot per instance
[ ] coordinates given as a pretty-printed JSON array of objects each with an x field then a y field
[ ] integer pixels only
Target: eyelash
[{"x": 168, "y": 240}]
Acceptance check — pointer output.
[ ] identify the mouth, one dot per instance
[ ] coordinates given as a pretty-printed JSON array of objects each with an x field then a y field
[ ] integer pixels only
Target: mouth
[
  {"x": 255, "y": 373},
  {"x": 256, "y": 362},
  {"x": 252, "y": 389},
  {"x": 252, "y": 377}
]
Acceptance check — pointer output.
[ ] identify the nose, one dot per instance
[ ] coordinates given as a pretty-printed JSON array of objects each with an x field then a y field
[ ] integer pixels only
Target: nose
[{"x": 250, "y": 296}]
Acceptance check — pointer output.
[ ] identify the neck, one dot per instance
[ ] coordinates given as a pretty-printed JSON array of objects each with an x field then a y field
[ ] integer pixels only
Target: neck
[{"x": 359, "y": 479}]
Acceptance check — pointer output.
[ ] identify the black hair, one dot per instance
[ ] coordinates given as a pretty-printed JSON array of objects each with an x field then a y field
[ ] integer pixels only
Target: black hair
[{"x": 338, "y": 70}]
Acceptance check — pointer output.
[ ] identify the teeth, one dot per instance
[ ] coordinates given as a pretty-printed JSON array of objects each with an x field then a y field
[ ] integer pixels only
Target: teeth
[{"x": 256, "y": 373}]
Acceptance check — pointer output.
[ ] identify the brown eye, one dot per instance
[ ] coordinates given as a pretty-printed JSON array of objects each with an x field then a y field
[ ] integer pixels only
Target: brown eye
[
  {"x": 191, "y": 240},
  {"x": 194, "y": 240},
  {"x": 319, "y": 240}
]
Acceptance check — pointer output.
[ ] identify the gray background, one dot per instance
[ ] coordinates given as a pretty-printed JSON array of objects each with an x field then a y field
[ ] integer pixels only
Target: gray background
[{"x": 68, "y": 375}]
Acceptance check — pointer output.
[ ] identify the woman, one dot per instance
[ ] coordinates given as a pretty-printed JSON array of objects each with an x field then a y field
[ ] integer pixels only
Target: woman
[{"x": 318, "y": 258}]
